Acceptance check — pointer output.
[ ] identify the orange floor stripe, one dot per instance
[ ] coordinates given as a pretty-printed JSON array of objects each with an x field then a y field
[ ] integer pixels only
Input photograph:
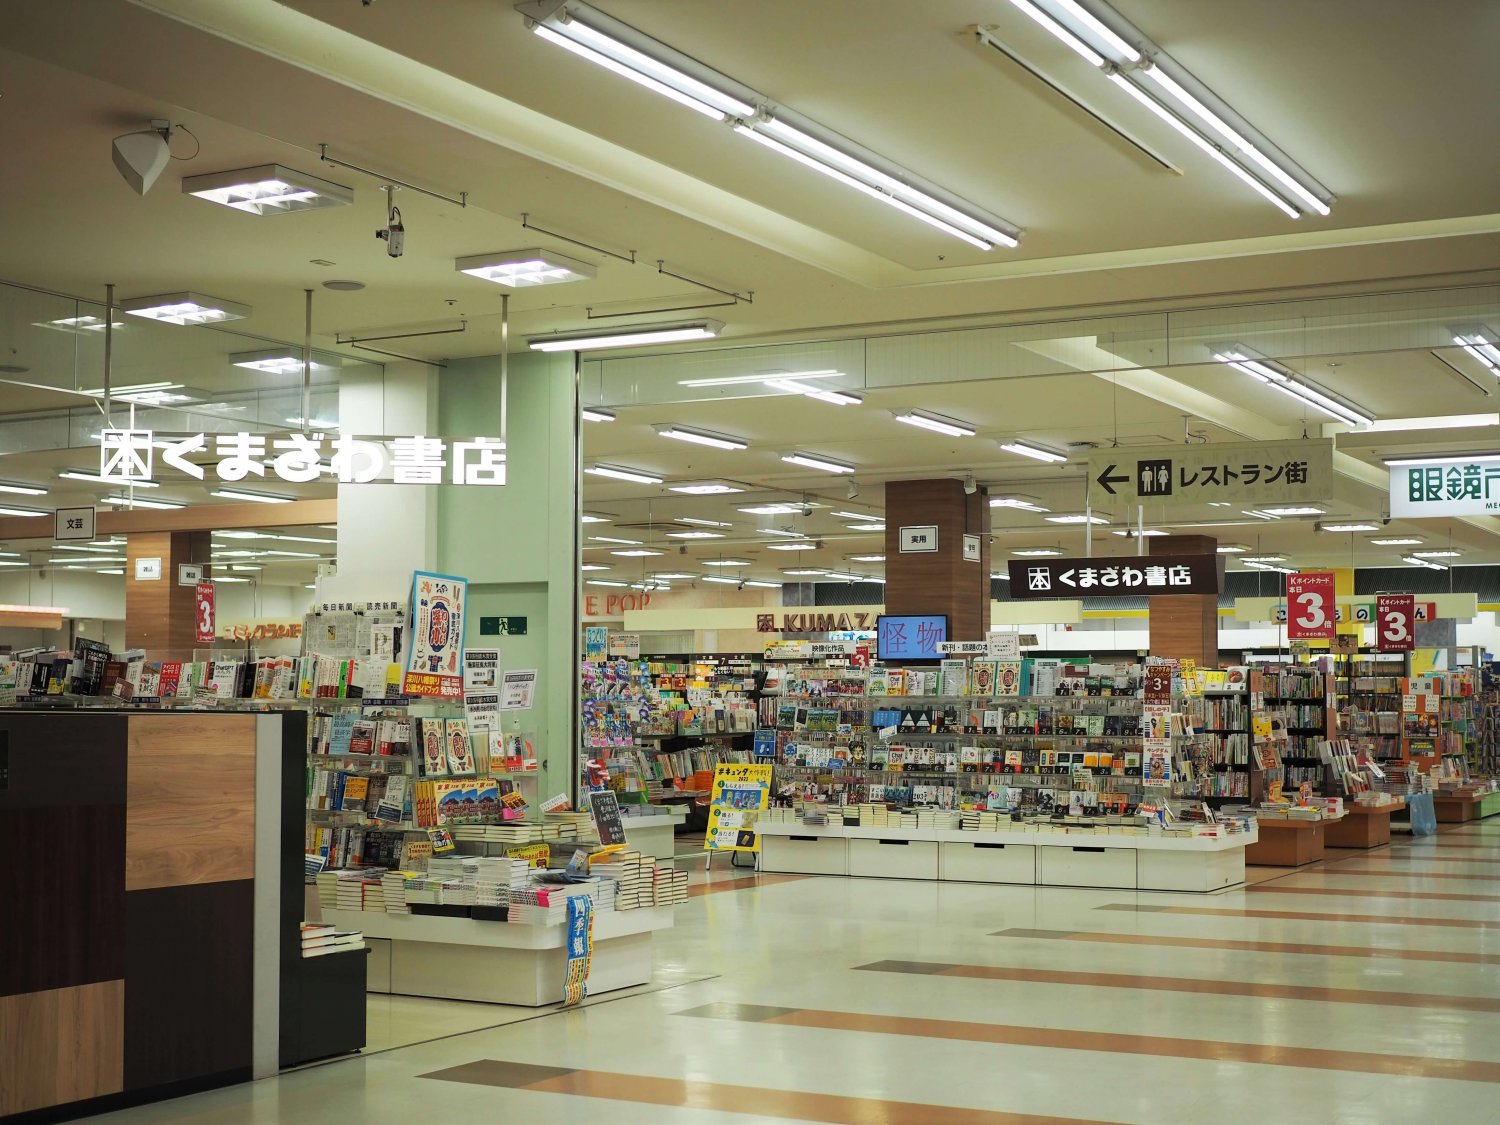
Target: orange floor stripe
[
  {"x": 1401, "y": 953},
  {"x": 747, "y": 882},
  {"x": 1305, "y": 916},
  {"x": 1159, "y": 983},
  {"x": 1393, "y": 872},
  {"x": 724, "y": 1098},
  {"x": 1209, "y": 1050},
  {"x": 1360, "y": 892}
]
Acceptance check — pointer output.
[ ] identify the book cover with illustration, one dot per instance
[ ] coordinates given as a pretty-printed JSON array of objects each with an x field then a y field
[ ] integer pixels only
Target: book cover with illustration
[{"x": 459, "y": 750}]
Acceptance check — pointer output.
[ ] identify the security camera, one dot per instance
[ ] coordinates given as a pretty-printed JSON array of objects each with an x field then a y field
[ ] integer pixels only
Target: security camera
[
  {"x": 140, "y": 157},
  {"x": 852, "y": 491},
  {"x": 807, "y": 509},
  {"x": 741, "y": 586},
  {"x": 394, "y": 234},
  {"x": 970, "y": 486}
]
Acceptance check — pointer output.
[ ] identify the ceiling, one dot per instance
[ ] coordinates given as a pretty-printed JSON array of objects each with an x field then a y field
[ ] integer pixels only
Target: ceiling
[{"x": 470, "y": 101}]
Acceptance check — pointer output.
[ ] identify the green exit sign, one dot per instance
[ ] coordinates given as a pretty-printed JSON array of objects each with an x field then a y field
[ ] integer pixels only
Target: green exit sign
[{"x": 502, "y": 626}]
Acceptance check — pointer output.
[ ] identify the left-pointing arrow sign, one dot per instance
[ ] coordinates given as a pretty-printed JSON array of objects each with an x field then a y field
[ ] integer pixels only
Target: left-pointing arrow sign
[{"x": 1107, "y": 482}]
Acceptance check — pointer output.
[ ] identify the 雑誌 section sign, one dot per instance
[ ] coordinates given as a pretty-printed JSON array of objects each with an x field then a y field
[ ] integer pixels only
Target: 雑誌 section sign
[
  {"x": 1251, "y": 473},
  {"x": 1460, "y": 486}
]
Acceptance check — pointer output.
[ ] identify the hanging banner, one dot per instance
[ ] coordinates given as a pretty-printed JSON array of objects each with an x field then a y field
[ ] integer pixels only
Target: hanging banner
[
  {"x": 580, "y": 949},
  {"x": 740, "y": 795},
  {"x": 435, "y": 657},
  {"x": 203, "y": 613},
  {"x": 1311, "y": 610},
  {"x": 1251, "y": 473},
  {"x": 1395, "y": 623}
]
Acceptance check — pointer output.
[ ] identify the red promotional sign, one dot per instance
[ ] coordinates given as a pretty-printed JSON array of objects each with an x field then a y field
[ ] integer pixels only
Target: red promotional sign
[
  {"x": 1395, "y": 623},
  {"x": 203, "y": 613},
  {"x": 1310, "y": 605}
]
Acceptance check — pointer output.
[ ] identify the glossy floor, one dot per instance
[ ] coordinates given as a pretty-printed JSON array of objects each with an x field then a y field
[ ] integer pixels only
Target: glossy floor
[{"x": 1366, "y": 989}]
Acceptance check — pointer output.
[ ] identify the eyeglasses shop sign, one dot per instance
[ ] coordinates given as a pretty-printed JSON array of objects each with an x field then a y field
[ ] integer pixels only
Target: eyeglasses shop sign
[
  {"x": 128, "y": 455},
  {"x": 1462, "y": 486},
  {"x": 1113, "y": 578}
]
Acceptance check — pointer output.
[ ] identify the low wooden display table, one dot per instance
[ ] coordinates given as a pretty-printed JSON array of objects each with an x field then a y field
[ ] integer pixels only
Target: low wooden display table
[
  {"x": 1455, "y": 810},
  {"x": 1363, "y": 826},
  {"x": 1288, "y": 843}
]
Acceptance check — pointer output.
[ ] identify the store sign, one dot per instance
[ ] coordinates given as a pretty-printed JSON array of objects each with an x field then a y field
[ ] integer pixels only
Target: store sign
[
  {"x": 920, "y": 539},
  {"x": 1112, "y": 578},
  {"x": 1251, "y": 473},
  {"x": 813, "y": 622},
  {"x": 1461, "y": 486},
  {"x": 1395, "y": 623},
  {"x": 831, "y": 648},
  {"x": 73, "y": 523},
  {"x": 1311, "y": 605},
  {"x": 203, "y": 613},
  {"x": 963, "y": 648},
  {"x": 266, "y": 631},
  {"x": 131, "y": 455},
  {"x": 971, "y": 548},
  {"x": 596, "y": 606}
]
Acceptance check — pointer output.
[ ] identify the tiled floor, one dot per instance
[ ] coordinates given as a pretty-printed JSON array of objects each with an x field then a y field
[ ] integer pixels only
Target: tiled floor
[{"x": 1366, "y": 989}]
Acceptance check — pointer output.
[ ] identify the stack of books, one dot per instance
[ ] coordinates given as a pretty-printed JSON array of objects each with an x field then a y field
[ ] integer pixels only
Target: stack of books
[
  {"x": 495, "y": 878},
  {"x": 319, "y": 939},
  {"x": 982, "y": 820},
  {"x": 668, "y": 886},
  {"x": 516, "y": 832},
  {"x": 393, "y": 884},
  {"x": 547, "y": 905},
  {"x": 939, "y": 819}
]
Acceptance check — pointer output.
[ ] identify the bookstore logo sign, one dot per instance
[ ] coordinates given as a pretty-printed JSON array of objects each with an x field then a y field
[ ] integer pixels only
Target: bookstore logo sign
[{"x": 126, "y": 456}]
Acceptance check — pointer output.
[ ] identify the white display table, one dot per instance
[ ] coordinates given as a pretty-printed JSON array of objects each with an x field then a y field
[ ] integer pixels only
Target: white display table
[
  {"x": 655, "y": 835},
  {"x": 497, "y": 962},
  {"x": 1073, "y": 859}
]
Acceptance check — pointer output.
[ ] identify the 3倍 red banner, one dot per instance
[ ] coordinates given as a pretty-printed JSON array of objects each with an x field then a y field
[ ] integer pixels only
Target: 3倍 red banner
[
  {"x": 203, "y": 613},
  {"x": 1311, "y": 608},
  {"x": 1395, "y": 623}
]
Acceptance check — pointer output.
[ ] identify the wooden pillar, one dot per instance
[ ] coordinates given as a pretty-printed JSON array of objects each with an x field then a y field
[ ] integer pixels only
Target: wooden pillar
[
  {"x": 940, "y": 581},
  {"x": 159, "y": 612},
  {"x": 1185, "y": 625}
]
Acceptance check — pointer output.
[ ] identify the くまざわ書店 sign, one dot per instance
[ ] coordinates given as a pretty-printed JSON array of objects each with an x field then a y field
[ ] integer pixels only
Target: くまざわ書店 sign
[{"x": 1113, "y": 578}]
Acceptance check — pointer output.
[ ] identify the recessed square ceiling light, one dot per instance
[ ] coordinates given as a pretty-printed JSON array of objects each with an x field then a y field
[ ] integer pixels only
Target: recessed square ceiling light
[
  {"x": 773, "y": 510},
  {"x": 273, "y": 361},
  {"x": 520, "y": 269},
  {"x": 1398, "y": 541},
  {"x": 79, "y": 325},
  {"x": 705, "y": 488},
  {"x": 268, "y": 189},
  {"x": 1132, "y": 533},
  {"x": 1076, "y": 518},
  {"x": 185, "y": 308},
  {"x": 637, "y": 553},
  {"x": 801, "y": 545},
  {"x": 1337, "y": 527},
  {"x": 1232, "y": 548}
]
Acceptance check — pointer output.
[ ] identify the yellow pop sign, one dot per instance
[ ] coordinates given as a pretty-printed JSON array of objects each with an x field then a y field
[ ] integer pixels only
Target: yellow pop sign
[{"x": 740, "y": 794}]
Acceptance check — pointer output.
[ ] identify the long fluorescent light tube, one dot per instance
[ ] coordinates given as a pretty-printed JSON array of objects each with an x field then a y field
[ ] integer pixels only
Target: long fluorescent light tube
[
  {"x": 1242, "y": 359},
  {"x": 1481, "y": 344},
  {"x": 936, "y": 423},
  {"x": 1437, "y": 554},
  {"x": 700, "y": 522},
  {"x": 125, "y": 502},
  {"x": 1035, "y": 452},
  {"x": 726, "y": 562},
  {"x": 1414, "y": 561},
  {"x": 622, "y": 474},
  {"x": 253, "y": 497},
  {"x": 596, "y": 414},
  {"x": 22, "y": 489},
  {"x": 95, "y": 478},
  {"x": 626, "y": 337},
  {"x": 867, "y": 527},
  {"x": 858, "y": 516},
  {"x": 822, "y": 394},
  {"x": 1294, "y": 510},
  {"x": 593, "y": 517},
  {"x": 185, "y": 308},
  {"x": 1340, "y": 527},
  {"x": 22, "y": 512},
  {"x": 1035, "y": 552},
  {"x": 268, "y": 189},
  {"x": 695, "y": 535},
  {"x": 809, "y": 461},
  {"x": 772, "y": 510},
  {"x": 763, "y": 585},
  {"x": 702, "y": 437},
  {"x": 637, "y": 553},
  {"x": 1466, "y": 458},
  {"x": 612, "y": 539},
  {"x": 1436, "y": 422},
  {"x": 932, "y": 209},
  {"x": 720, "y": 580},
  {"x": 1091, "y": 56},
  {"x": 636, "y": 76},
  {"x": 1017, "y": 503},
  {"x": 801, "y": 545}
]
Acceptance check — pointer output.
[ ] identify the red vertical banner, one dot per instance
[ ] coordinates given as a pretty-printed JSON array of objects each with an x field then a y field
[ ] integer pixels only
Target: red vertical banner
[
  {"x": 1395, "y": 623},
  {"x": 1311, "y": 608},
  {"x": 203, "y": 613}
]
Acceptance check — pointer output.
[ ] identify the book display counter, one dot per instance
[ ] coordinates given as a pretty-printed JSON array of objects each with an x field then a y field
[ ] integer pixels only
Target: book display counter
[
  {"x": 1363, "y": 825},
  {"x": 655, "y": 834}
]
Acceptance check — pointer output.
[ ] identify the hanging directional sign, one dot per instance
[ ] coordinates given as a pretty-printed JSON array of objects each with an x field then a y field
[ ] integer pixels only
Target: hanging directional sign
[
  {"x": 1113, "y": 578},
  {"x": 1459, "y": 486},
  {"x": 1245, "y": 473}
]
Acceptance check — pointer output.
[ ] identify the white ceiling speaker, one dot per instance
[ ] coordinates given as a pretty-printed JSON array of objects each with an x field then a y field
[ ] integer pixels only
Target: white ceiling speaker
[{"x": 140, "y": 157}]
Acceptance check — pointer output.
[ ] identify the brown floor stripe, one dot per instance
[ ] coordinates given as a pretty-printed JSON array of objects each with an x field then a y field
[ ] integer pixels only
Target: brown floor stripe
[
  {"x": 1107, "y": 1042},
  {"x": 1448, "y": 844},
  {"x": 1399, "y": 953},
  {"x": 746, "y": 882},
  {"x": 724, "y": 1098},
  {"x": 1394, "y": 872},
  {"x": 1196, "y": 985},
  {"x": 1304, "y": 916},
  {"x": 1360, "y": 892}
]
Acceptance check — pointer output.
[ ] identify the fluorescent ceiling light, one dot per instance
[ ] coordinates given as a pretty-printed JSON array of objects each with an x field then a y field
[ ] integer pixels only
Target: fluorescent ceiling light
[
  {"x": 865, "y": 558},
  {"x": 1288, "y": 382},
  {"x": 593, "y": 566},
  {"x": 1232, "y": 548},
  {"x": 1258, "y": 515},
  {"x": 763, "y": 585},
  {"x": 239, "y": 568},
  {"x": 1336, "y": 527},
  {"x": 637, "y": 553},
  {"x": 705, "y": 488},
  {"x": 95, "y": 478},
  {"x": 185, "y": 308},
  {"x": 825, "y": 464},
  {"x": 1402, "y": 541},
  {"x": 671, "y": 574},
  {"x": 799, "y": 545},
  {"x": 649, "y": 586},
  {"x": 1293, "y": 510},
  {"x": 701, "y": 522},
  {"x": 856, "y": 516},
  {"x": 76, "y": 324},
  {"x": 781, "y": 531},
  {"x": 1035, "y": 552},
  {"x": 1268, "y": 566},
  {"x": 695, "y": 535},
  {"x": 290, "y": 554},
  {"x": 726, "y": 562},
  {"x": 803, "y": 571},
  {"x": 625, "y": 337},
  {"x": 1465, "y": 458},
  {"x": 22, "y": 489},
  {"x": 608, "y": 539},
  {"x": 7, "y": 562},
  {"x": 110, "y": 572},
  {"x": 596, "y": 414},
  {"x": 592, "y": 517},
  {"x": 773, "y": 510},
  {"x": 606, "y": 582},
  {"x": 1000, "y": 577},
  {"x": 223, "y": 578},
  {"x": 622, "y": 474},
  {"x": 1016, "y": 502},
  {"x": 519, "y": 269},
  {"x": 823, "y": 394},
  {"x": 701, "y": 437},
  {"x": 867, "y": 527},
  {"x": 1035, "y": 452},
  {"x": 274, "y": 361},
  {"x": 720, "y": 579},
  {"x": 89, "y": 550},
  {"x": 145, "y": 394},
  {"x": 1438, "y": 422},
  {"x": 1480, "y": 343},
  {"x": 936, "y": 423},
  {"x": 253, "y": 497},
  {"x": 1437, "y": 554},
  {"x": 128, "y": 502},
  {"x": 314, "y": 424},
  {"x": 1132, "y": 533},
  {"x": 268, "y": 189},
  {"x": 1092, "y": 57},
  {"x": 1415, "y": 561},
  {"x": 1076, "y": 518},
  {"x": 1264, "y": 558}
]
